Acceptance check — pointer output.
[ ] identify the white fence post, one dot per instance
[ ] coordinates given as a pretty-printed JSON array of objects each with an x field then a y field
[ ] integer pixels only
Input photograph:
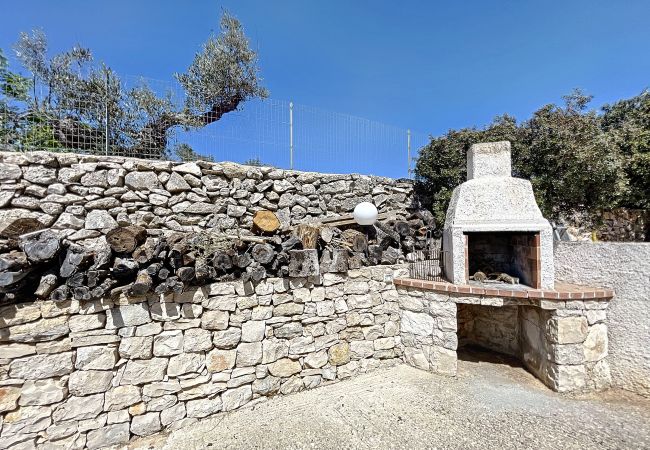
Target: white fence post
[
  {"x": 291, "y": 135},
  {"x": 408, "y": 152}
]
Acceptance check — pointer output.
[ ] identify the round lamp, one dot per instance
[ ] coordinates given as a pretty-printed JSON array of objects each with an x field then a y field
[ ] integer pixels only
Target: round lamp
[{"x": 365, "y": 213}]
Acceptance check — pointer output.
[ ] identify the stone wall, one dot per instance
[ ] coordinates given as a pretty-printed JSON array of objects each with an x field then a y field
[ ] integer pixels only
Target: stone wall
[
  {"x": 492, "y": 327},
  {"x": 75, "y": 374},
  {"x": 625, "y": 267},
  {"x": 564, "y": 343},
  {"x": 84, "y": 195}
]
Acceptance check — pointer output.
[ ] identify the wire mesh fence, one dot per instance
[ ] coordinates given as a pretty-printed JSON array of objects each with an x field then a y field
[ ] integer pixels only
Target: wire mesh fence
[{"x": 151, "y": 119}]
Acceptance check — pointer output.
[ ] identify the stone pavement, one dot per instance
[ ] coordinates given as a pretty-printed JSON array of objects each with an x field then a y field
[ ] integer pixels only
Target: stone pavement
[{"x": 488, "y": 405}]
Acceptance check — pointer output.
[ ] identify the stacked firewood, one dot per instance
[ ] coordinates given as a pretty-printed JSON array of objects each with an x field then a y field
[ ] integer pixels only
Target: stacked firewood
[{"x": 39, "y": 263}]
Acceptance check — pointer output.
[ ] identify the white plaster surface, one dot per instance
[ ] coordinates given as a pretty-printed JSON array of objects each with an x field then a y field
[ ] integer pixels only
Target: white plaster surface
[
  {"x": 625, "y": 267},
  {"x": 489, "y": 159}
]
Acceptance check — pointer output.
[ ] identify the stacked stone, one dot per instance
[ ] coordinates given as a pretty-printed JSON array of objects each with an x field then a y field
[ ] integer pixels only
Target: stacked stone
[
  {"x": 93, "y": 374},
  {"x": 85, "y": 196},
  {"x": 428, "y": 331}
]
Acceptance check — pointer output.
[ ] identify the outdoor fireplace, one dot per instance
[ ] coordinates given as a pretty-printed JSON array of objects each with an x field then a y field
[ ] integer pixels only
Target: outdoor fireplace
[{"x": 493, "y": 224}]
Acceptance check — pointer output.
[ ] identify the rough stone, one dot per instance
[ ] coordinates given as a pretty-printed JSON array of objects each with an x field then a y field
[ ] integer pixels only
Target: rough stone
[
  {"x": 234, "y": 398},
  {"x": 41, "y": 366}
]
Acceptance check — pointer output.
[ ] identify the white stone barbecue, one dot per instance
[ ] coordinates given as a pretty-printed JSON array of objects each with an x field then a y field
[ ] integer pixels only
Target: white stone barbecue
[{"x": 492, "y": 201}]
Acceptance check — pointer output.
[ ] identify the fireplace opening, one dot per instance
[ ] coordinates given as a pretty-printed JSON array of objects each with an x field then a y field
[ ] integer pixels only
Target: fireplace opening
[
  {"x": 516, "y": 254},
  {"x": 489, "y": 334}
]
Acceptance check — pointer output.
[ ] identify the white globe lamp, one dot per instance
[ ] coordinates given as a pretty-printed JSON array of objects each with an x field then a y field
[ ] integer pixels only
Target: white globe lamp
[{"x": 365, "y": 213}]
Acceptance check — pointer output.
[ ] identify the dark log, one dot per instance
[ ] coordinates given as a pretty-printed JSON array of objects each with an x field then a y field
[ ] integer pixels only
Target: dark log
[
  {"x": 326, "y": 234},
  {"x": 281, "y": 259},
  {"x": 374, "y": 254},
  {"x": 339, "y": 263},
  {"x": 103, "y": 289},
  {"x": 161, "y": 248},
  {"x": 202, "y": 272},
  {"x": 355, "y": 240},
  {"x": 293, "y": 243},
  {"x": 18, "y": 227},
  {"x": 390, "y": 256},
  {"x": 257, "y": 273},
  {"x": 185, "y": 274},
  {"x": 76, "y": 279},
  {"x": 303, "y": 263},
  {"x": 355, "y": 261},
  {"x": 46, "y": 285},
  {"x": 10, "y": 278},
  {"x": 242, "y": 260},
  {"x": 102, "y": 255},
  {"x": 81, "y": 293},
  {"x": 76, "y": 259},
  {"x": 95, "y": 277},
  {"x": 124, "y": 268},
  {"x": 163, "y": 273},
  {"x": 263, "y": 253},
  {"x": 60, "y": 294},
  {"x": 174, "y": 284},
  {"x": 126, "y": 239},
  {"x": 154, "y": 268},
  {"x": 142, "y": 284},
  {"x": 402, "y": 228},
  {"x": 41, "y": 247},
  {"x": 145, "y": 253},
  {"x": 265, "y": 221},
  {"x": 386, "y": 236},
  {"x": 13, "y": 261},
  {"x": 221, "y": 261}
]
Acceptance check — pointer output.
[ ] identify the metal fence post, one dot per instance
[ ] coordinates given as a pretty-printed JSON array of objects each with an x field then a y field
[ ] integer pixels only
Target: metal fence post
[
  {"x": 408, "y": 151},
  {"x": 291, "y": 135},
  {"x": 106, "y": 99}
]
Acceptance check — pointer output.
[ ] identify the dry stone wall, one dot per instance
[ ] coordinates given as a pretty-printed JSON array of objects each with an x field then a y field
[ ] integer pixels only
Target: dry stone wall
[
  {"x": 92, "y": 374},
  {"x": 85, "y": 195}
]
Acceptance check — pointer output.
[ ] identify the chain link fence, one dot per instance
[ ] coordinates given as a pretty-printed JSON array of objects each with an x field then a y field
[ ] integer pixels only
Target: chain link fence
[{"x": 147, "y": 118}]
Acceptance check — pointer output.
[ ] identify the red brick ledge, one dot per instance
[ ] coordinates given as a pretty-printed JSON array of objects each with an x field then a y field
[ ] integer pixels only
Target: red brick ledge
[{"x": 563, "y": 291}]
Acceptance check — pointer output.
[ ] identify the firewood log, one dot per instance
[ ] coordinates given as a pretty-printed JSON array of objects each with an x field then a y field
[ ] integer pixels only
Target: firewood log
[
  {"x": 76, "y": 279},
  {"x": 76, "y": 258},
  {"x": 293, "y": 243},
  {"x": 126, "y": 239},
  {"x": 256, "y": 272},
  {"x": 326, "y": 234},
  {"x": 124, "y": 268},
  {"x": 402, "y": 228},
  {"x": 242, "y": 260},
  {"x": 41, "y": 247},
  {"x": 142, "y": 283},
  {"x": 81, "y": 293},
  {"x": 308, "y": 234},
  {"x": 163, "y": 273},
  {"x": 145, "y": 253},
  {"x": 356, "y": 241},
  {"x": 266, "y": 222},
  {"x": 13, "y": 261},
  {"x": 46, "y": 285},
  {"x": 60, "y": 294},
  {"x": 262, "y": 253},
  {"x": 221, "y": 261},
  {"x": 386, "y": 236},
  {"x": 20, "y": 226},
  {"x": 185, "y": 274},
  {"x": 154, "y": 268},
  {"x": 9, "y": 278}
]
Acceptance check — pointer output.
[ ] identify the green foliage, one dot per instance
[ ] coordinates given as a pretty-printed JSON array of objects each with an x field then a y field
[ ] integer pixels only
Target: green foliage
[
  {"x": 186, "y": 153},
  {"x": 578, "y": 161},
  {"x": 256, "y": 162}
]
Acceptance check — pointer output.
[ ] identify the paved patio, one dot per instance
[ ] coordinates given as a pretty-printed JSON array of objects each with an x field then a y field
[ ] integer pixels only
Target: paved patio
[{"x": 489, "y": 405}]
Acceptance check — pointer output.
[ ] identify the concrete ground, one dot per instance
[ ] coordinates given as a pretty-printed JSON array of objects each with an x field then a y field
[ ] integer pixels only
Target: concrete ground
[{"x": 488, "y": 405}]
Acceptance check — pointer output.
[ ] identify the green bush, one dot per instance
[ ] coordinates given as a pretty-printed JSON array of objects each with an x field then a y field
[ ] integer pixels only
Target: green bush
[{"x": 578, "y": 161}]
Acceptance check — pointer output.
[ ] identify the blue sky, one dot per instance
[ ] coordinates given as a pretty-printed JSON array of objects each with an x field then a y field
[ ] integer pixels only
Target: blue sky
[{"x": 429, "y": 66}]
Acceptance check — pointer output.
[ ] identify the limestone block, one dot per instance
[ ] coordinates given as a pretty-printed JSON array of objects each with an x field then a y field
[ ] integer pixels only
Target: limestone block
[
  {"x": 169, "y": 415},
  {"x": 253, "y": 331},
  {"x": 288, "y": 309},
  {"x": 596, "y": 343},
  {"x": 566, "y": 353},
  {"x": 197, "y": 340},
  {"x": 274, "y": 349},
  {"x": 96, "y": 357},
  {"x": 161, "y": 388},
  {"x": 12, "y": 351},
  {"x": 266, "y": 386},
  {"x": 18, "y": 314},
  {"x": 85, "y": 382},
  {"x": 39, "y": 331},
  {"x": 567, "y": 330},
  {"x": 146, "y": 424},
  {"x": 141, "y": 371},
  {"x": 301, "y": 345},
  {"x": 26, "y": 420},
  {"x": 43, "y": 392},
  {"x": 87, "y": 322},
  {"x": 284, "y": 368},
  {"x": 443, "y": 361},
  {"x": 567, "y": 378},
  {"x": 249, "y": 354},
  {"x": 168, "y": 343},
  {"x": 220, "y": 360},
  {"x": 215, "y": 320},
  {"x": 137, "y": 347},
  {"x": 416, "y": 357},
  {"x": 203, "y": 408},
  {"x": 339, "y": 354},
  {"x": 121, "y": 397},
  {"x": 39, "y": 174},
  {"x": 109, "y": 435},
  {"x": 235, "y": 398},
  {"x": 165, "y": 311},
  {"x": 384, "y": 343},
  {"x": 142, "y": 181},
  {"x": 161, "y": 403},
  {"x": 185, "y": 363},
  {"x": 41, "y": 366},
  {"x": 128, "y": 316},
  {"x": 226, "y": 339},
  {"x": 420, "y": 324},
  {"x": 120, "y": 416},
  {"x": 9, "y": 398},
  {"x": 98, "y": 219},
  {"x": 79, "y": 408},
  {"x": 360, "y": 349}
]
